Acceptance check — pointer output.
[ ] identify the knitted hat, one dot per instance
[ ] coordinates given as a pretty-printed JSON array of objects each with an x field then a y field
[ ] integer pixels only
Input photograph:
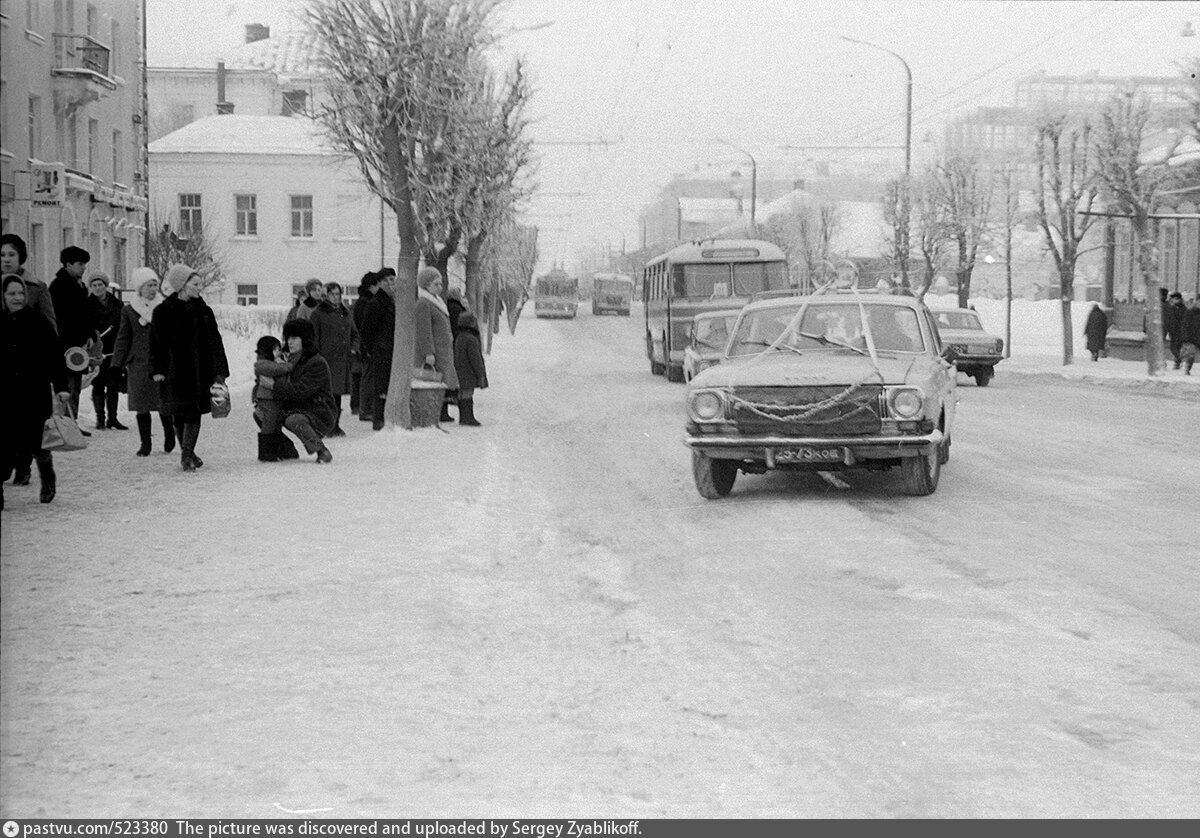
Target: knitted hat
[
  {"x": 177, "y": 277},
  {"x": 141, "y": 276}
]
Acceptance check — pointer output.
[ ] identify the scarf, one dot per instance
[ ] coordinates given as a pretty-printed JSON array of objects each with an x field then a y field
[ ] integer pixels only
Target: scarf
[
  {"x": 437, "y": 301},
  {"x": 145, "y": 308}
]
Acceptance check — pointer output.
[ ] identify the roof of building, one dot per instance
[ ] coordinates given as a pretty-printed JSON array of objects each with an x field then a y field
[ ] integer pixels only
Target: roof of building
[
  {"x": 237, "y": 134},
  {"x": 287, "y": 54}
]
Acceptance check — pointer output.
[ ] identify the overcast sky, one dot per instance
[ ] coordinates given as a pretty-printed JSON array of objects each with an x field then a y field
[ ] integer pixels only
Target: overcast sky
[{"x": 663, "y": 82}]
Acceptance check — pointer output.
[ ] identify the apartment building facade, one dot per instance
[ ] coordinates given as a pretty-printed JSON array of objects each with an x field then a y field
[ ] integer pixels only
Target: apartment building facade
[{"x": 72, "y": 131}]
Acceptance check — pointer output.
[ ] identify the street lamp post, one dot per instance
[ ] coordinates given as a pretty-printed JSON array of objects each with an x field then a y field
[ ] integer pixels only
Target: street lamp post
[
  {"x": 753, "y": 182},
  {"x": 907, "y": 100}
]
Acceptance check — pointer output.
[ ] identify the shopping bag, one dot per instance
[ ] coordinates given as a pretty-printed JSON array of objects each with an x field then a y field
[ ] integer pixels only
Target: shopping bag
[
  {"x": 61, "y": 433},
  {"x": 426, "y": 373},
  {"x": 219, "y": 401}
]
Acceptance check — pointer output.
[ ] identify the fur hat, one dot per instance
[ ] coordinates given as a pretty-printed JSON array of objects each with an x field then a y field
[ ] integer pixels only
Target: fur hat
[
  {"x": 141, "y": 276},
  {"x": 177, "y": 277},
  {"x": 99, "y": 275},
  {"x": 466, "y": 320},
  {"x": 302, "y": 329}
]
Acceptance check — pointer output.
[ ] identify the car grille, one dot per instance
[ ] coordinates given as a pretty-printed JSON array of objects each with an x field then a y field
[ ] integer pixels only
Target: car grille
[{"x": 807, "y": 411}]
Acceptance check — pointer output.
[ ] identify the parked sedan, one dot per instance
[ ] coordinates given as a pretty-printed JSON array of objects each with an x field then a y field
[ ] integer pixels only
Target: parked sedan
[
  {"x": 706, "y": 341},
  {"x": 967, "y": 345},
  {"x": 824, "y": 383}
]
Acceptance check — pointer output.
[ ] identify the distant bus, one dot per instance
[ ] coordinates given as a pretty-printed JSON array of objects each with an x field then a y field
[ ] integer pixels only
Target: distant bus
[
  {"x": 612, "y": 292},
  {"x": 691, "y": 278},
  {"x": 555, "y": 294}
]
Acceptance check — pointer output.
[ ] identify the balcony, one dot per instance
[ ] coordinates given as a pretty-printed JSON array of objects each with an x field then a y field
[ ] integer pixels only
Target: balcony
[{"x": 81, "y": 65}]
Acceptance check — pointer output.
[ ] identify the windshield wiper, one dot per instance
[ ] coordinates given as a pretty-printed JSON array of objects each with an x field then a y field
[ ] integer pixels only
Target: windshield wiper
[
  {"x": 824, "y": 341},
  {"x": 771, "y": 345}
]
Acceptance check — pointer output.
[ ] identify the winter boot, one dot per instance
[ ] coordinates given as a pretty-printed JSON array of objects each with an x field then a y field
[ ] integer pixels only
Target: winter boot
[
  {"x": 285, "y": 449},
  {"x": 446, "y": 417},
  {"x": 466, "y": 412},
  {"x": 267, "y": 449},
  {"x": 143, "y": 426},
  {"x": 337, "y": 425},
  {"x": 188, "y": 435},
  {"x": 98, "y": 404},
  {"x": 168, "y": 434},
  {"x": 45, "y": 466},
  {"x": 377, "y": 414},
  {"x": 23, "y": 476},
  {"x": 323, "y": 455},
  {"x": 113, "y": 422}
]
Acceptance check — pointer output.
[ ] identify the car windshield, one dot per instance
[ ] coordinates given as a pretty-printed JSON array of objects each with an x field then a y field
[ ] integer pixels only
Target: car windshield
[
  {"x": 713, "y": 332},
  {"x": 828, "y": 327},
  {"x": 967, "y": 320}
]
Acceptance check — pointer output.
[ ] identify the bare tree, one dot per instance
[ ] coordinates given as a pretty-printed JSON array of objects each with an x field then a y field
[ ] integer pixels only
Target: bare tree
[
  {"x": 930, "y": 229},
  {"x": 804, "y": 232},
  {"x": 198, "y": 249},
  {"x": 511, "y": 257},
  {"x": 897, "y": 212},
  {"x": 1065, "y": 191},
  {"x": 1008, "y": 180},
  {"x": 964, "y": 189},
  {"x": 396, "y": 71},
  {"x": 1135, "y": 190}
]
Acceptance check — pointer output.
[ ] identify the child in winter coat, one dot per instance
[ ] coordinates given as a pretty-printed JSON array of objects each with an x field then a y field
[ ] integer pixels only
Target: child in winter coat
[
  {"x": 268, "y": 410},
  {"x": 468, "y": 364}
]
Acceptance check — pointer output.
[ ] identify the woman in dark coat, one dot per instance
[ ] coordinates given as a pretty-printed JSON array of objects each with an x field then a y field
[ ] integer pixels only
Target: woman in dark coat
[
  {"x": 131, "y": 352},
  {"x": 358, "y": 366},
  {"x": 31, "y": 363},
  {"x": 306, "y": 396},
  {"x": 378, "y": 340},
  {"x": 337, "y": 340},
  {"x": 187, "y": 357},
  {"x": 1096, "y": 331},
  {"x": 468, "y": 363}
]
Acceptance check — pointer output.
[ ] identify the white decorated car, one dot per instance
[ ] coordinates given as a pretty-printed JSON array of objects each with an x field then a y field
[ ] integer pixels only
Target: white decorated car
[{"x": 825, "y": 383}]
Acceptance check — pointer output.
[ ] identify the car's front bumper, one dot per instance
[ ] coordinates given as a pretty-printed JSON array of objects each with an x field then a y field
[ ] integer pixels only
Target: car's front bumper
[{"x": 856, "y": 449}]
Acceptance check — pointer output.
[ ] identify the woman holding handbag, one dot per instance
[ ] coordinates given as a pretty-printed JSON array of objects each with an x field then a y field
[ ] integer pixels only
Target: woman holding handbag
[
  {"x": 132, "y": 353},
  {"x": 32, "y": 369}
]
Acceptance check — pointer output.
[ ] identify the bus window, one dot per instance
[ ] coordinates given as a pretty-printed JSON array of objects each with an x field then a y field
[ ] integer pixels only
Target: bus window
[
  {"x": 752, "y": 278},
  {"x": 702, "y": 281}
]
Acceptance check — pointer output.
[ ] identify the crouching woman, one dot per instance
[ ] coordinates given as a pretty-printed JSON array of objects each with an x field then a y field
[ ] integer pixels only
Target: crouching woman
[{"x": 305, "y": 394}]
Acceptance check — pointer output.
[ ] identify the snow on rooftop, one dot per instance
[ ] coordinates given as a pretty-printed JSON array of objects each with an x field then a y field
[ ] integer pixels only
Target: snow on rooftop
[
  {"x": 234, "y": 134},
  {"x": 287, "y": 54}
]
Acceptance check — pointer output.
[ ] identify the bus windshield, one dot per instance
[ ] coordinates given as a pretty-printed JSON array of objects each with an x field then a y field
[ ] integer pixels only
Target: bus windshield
[
  {"x": 557, "y": 287},
  {"x": 613, "y": 285},
  {"x": 711, "y": 280}
]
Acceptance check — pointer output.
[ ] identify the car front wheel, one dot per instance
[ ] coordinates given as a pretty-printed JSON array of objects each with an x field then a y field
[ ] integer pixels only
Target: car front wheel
[
  {"x": 921, "y": 473},
  {"x": 714, "y": 478}
]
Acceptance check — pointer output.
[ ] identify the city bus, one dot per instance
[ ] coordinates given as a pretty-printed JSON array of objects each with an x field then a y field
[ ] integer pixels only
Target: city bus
[
  {"x": 555, "y": 294},
  {"x": 706, "y": 275},
  {"x": 612, "y": 292}
]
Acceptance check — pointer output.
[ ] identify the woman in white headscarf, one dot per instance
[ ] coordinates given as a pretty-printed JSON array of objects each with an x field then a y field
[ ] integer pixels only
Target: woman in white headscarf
[{"x": 132, "y": 352}]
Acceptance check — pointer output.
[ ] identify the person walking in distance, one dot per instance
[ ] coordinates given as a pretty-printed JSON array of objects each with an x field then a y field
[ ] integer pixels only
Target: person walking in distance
[
  {"x": 31, "y": 368},
  {"x": 187, "y": 357},
  {"x": 105, "y": 311},
  {"x": 1190, "y": 334},
  {"x": 1096, "y": 331},
  {"x": 131, "y": 353},
  {"x": 1173, "y": 325}
]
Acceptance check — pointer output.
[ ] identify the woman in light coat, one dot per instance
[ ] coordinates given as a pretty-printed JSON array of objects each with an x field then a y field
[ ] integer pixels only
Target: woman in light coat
[
  {"x": 132, "y": 353},
  {"x": 434, "y": 338}
]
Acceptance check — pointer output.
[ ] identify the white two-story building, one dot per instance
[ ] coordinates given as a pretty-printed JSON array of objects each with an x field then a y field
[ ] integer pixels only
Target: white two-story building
[{"x": 277, "y": 204}]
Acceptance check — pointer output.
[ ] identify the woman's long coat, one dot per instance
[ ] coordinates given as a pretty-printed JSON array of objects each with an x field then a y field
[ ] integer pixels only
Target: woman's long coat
[
  {"x": 433, "y": 337},
  {"x": 378, "y": 339},
  {"x": 468, "y": 356},
  {"x": 337, "y": 338},
  {"x": 32, "y": 369},
  {"x": 306, "y": 390},
  {"x": 1096, "y": 330},
  {"x": 132, "y": 351},
  {"x": 186, "y": 348}
]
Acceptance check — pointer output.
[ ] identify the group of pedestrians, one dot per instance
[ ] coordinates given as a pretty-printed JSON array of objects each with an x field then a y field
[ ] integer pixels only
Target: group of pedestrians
[
  {"x": 1181, "y": 328},
  {"x": 166, "y": 352}
]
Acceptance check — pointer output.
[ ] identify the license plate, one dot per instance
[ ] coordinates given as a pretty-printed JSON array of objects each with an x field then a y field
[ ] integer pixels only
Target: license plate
[{"x": 808, "y": 454}]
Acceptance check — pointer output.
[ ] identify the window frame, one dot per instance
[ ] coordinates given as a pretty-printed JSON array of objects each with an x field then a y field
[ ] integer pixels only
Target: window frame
[
  {"x": 194, "y": 214},
  {"x": 245, "y": 219},
  {"x": 300, "y": 214}
]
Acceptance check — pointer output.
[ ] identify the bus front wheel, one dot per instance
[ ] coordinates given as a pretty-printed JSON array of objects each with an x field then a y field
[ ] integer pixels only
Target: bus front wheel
[{"x": 655, "y": 367}]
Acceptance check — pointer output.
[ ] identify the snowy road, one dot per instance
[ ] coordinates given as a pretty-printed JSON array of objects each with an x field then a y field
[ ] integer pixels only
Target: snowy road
[{"x": 541, "y": 618}]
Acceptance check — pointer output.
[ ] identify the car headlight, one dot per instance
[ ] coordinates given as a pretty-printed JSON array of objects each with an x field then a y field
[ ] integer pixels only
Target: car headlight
[
  {"x": 706, "y": 406},
  {"x": 906, "y": 403}
]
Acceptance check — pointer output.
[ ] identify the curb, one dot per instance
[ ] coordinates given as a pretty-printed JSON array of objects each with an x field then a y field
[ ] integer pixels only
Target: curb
[{"x": 1157, "y": 386}]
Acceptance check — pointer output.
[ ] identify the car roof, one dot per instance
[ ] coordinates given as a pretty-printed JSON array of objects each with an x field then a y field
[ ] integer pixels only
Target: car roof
[
  {"x": 711, "y": 315},
  {"x": 954, "y": 310},
  {"x": 897, "y": 300}
]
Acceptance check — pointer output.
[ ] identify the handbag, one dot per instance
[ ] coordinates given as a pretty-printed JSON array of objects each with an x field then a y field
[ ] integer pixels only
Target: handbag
[
  {"x": 219, "y": 401},
  {"x": 61, "y": 433},
  {"x": 426, "y": 373}
]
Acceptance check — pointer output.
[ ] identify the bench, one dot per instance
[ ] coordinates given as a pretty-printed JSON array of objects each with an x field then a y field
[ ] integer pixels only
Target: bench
[{"x": 1126, "y": 332}]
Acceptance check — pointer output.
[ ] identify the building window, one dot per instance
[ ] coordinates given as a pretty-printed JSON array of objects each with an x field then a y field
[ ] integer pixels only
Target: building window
[
  {"x": 297, "y": 290},
  {"x": 190, "y": 220},
  {"x": 118, "y": 173},
  {"x": 35, "y": 127},
  {"x": 247, "y": 295},
  {"x": 302, "y": 216},
  {"x": 73, "y": 141},
  {"x": 349, "y": 217},
  {"x": 294, "y": 102},
  {"x": 68, "y": 236},
  {"x": 93, "y": 144},
  {"x": 245, "y": 210}
]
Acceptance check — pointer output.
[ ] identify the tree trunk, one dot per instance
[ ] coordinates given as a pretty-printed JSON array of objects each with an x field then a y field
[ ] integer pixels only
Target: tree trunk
[
  {"x": 1155, "y": 356},
  {"x": 396, "y": 407},
  {"x": 1066, "y": 279},
  {"x": 474, "y": 272}
]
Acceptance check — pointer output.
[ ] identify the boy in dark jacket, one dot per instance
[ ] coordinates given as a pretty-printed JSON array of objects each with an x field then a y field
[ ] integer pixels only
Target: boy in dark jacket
[
  {"x": 268, "y": 411},
  {"x": 468, "y": 363}
]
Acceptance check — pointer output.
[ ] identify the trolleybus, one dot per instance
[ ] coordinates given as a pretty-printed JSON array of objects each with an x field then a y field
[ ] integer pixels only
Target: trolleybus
[
  {"x": 612, "y": 292},
  {"x": 555, "y": 294}
]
